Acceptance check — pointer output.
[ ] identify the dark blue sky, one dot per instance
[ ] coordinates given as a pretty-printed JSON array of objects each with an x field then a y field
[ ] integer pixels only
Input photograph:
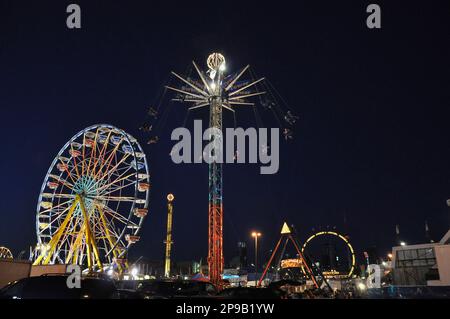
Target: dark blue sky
[{"x": 372, "y": 142}]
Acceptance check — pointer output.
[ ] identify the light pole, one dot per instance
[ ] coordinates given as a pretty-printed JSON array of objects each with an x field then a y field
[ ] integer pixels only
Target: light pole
[{"x": 255, "y": 235}]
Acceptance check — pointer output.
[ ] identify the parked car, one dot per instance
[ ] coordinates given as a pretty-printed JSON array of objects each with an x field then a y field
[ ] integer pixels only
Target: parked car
[
  {"x": 153, "y": 289},
  {"x": 55, "y": 287}
]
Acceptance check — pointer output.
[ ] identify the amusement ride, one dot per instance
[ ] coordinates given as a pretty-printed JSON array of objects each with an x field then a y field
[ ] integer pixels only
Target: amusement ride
[
  {"x": 93, "y": 201},
  {"x": 334, "y": 273},
  {"x": 5, "y": 253},
  {"x": 219, "y": 92}
]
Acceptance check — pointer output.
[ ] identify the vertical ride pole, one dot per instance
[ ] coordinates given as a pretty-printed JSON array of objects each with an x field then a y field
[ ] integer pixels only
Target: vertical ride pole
[
  {"x": 169, "y": 242},
  {"x": 215, "y": 214},
  {"x": 215, "y": 255}
]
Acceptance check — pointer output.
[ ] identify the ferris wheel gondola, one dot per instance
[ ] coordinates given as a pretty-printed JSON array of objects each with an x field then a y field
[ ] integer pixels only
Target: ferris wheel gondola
[{"x": 93, "y": 200}]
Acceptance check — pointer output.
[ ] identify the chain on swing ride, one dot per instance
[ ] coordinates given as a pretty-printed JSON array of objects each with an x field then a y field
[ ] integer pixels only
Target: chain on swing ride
[
  {"x": 93, "y": 201},
  {"x": 215, "y": 90}
]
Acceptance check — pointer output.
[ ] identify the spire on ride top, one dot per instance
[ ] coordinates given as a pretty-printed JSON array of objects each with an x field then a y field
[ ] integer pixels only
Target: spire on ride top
[{"x": 285, "y": 229}]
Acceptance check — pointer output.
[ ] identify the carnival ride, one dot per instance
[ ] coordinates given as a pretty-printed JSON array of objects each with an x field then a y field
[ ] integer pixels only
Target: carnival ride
[
  {"x": 333, "y": 273},
  {"x": 309, "y": 268},
  {"x": 304, "y": 265},
  {"x": 219, "y": 93},
  {"x": 5, "y": 253},
  {"x": 93, "y": 200}
]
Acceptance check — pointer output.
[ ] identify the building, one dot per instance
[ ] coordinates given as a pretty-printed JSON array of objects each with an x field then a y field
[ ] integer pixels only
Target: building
[
  {"x": 423, "y": 264},
  {"x": 242, "y": 248}
]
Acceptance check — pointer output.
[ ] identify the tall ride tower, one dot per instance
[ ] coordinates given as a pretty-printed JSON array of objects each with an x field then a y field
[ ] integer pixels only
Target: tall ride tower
[
  {"x": 216, "y": 65},
  {"x": 217, "y": 92},
  {"x": 168, "y": 240}
]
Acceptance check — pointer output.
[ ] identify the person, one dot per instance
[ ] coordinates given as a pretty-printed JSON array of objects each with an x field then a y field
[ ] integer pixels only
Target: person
[
  {"x": 288, "y": 134},
  {"x": 290, "y": 118},
  {"x": 146, "y": 127},
  {"x": 267, "y": 104},
  {"x": 152, "y": 112},
  {"x": 153, "y": 140}
]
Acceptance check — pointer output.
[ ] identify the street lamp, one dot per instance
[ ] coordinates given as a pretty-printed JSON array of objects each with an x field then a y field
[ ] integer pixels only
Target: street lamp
[{"x": 256, "y": 235}]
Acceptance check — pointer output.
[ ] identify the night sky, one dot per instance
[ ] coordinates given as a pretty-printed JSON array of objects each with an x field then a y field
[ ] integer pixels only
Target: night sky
[{"x": 372, "y": 145}]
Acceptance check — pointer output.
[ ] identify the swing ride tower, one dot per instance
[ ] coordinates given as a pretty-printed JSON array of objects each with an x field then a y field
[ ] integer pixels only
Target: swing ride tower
[{"x": 216, "y": 92}]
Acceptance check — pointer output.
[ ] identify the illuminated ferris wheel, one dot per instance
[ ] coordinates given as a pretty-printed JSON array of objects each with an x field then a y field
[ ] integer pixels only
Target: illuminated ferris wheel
[
  {"x": 5, "y": 253},
  {"x": 93, "y": 200},
  {"x": 334, "y": 273}
]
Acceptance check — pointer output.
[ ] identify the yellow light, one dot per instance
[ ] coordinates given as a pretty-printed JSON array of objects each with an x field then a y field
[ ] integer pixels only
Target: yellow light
[
  {"x": 170, "y": 197},
  {"x": 390, "y": 256},
  {"x": 256, "y": 234}
]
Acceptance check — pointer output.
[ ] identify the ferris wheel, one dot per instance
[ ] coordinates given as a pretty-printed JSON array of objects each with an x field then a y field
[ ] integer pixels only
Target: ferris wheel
[
  {"x": 333, "y": 273},
  {"x": 93, "y": 200},
  {"x": 5, "y": 253}
]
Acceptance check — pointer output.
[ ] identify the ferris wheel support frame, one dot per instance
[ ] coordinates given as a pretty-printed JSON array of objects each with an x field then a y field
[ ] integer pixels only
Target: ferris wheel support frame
[{"x": 91, "y": 245}]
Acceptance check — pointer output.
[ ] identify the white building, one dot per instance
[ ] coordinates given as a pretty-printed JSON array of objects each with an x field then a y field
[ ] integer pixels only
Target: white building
[{"x": 422, "y": 264}]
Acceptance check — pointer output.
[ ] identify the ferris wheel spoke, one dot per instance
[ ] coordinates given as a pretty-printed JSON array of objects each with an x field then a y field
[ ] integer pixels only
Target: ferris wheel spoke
[
  {"x": 117, "y": 216},
  {"x": 108, "y": 229},
  {"x": 67, "y": 171},
  {"x": 54, "y": 207},
  {"x": 109, "y": 159},
  {"x": 74, "y": 248},
  {"x": 122, "y": 178},
  {"x": 83, "y": 158},
  {"x": 114, "y": 198},
  {"x": 62, "y": 181},
  {"x": 109, "y": 189},
  {"x": 65, "y": 196},
  {"x": 58, "y": 216},
  {"x": 102, "y": 153},
  {"x": 113, "y": 169},
  {"x": 93, "y": 152},
  {"x": 75, "y": 163}
]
